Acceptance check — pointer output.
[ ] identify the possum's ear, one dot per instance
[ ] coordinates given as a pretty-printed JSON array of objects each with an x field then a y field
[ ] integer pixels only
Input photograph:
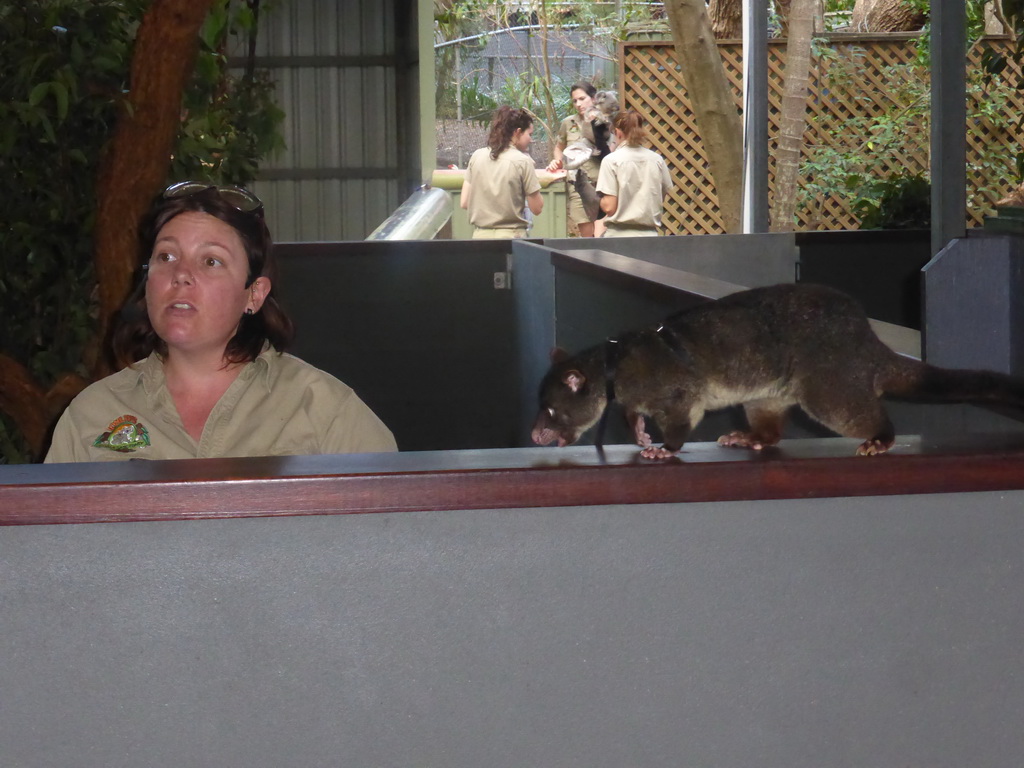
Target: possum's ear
[
  {"x": 574, "y": 380},
  {"x": 558, "y": 354}
]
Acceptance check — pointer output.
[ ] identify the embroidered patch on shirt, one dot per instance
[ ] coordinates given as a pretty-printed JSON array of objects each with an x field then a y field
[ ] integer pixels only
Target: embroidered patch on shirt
[{"x": 124, "y": 434}]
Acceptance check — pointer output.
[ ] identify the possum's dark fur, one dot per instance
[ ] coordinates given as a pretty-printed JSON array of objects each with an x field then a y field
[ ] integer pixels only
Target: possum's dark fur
[
  {"x": 588, "y": 195},
  {"x": 767, "y": 349}
]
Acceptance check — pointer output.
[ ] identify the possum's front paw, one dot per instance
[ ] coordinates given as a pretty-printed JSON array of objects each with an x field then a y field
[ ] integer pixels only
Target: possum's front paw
[
  {"x": 874, "y": 447},
  {"x": 744, "y": 440},
  {"x": 657, "y": 452},
  {"x": 643, "y": 439}
]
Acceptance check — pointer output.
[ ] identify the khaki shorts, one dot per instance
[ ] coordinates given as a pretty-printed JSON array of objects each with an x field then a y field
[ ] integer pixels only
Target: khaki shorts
[
  {"x": 575, "y": 211},
  {"x": 498, "y": 234}
]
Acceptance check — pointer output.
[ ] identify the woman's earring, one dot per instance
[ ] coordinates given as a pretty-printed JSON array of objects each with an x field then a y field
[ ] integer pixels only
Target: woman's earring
[{"x": 248, "y": 311}]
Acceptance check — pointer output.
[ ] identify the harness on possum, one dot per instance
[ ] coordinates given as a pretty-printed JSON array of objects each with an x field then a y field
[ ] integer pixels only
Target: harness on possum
[
  {"x": 611, "y": 360},
  {"x": 612, "y": 355}
]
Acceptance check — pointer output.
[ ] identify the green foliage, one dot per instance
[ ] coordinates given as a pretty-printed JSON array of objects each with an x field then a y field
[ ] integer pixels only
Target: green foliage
[
  {"x": 974, "y": 29},
  {"x": 65, "y": 66},
  {"x": 458, "y": 21},
  {"x": 530, "y": 92},
  {"x": 860, "y": 174},
  {"x": 477, "y": 104},
  {"x": 230, "y": 121},
  {"x": 902, "y": 201},
  {"x": 849, "y": 172},
  {"x": 996, "y": 65}
]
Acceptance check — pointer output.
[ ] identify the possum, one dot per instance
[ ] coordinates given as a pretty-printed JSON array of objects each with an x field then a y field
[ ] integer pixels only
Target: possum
[
  {"x": 588, "y": 195},
  {"x": 766, "y": 349}
]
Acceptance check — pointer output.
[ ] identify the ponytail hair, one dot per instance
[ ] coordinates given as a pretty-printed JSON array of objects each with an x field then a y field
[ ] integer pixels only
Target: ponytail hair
[
  {"x": 633, "y": 127},
  {"x": 506, "y": 122}
]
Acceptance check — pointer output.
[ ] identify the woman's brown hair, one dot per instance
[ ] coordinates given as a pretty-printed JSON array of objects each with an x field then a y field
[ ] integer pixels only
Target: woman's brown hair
[
  {"x": 506, "y": 122},
  {"x": 633, "y": 127},
  {"x": 134, "y": 338},
  {"x": 584, "y": 86}
]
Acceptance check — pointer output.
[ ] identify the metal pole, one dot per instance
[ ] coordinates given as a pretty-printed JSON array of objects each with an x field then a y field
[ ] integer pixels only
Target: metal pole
[
  {"x": 755, "y": 116},
  {"x": 949, "y": 121}
]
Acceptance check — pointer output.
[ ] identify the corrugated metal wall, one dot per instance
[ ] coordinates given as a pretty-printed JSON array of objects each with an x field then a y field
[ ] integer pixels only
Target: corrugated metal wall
[{"x": 346, "y": 75}]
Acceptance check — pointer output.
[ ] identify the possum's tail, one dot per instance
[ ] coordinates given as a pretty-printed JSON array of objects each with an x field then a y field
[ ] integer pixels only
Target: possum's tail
[{"x": 921, "y": 382}]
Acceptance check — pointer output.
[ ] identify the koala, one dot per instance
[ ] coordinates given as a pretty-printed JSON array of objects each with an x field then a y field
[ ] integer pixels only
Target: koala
[{"x": 606, "y": 106}]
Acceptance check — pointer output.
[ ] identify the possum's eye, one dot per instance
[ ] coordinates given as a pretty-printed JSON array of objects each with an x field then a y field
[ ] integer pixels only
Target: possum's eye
[{"x": 551, "y": 412}]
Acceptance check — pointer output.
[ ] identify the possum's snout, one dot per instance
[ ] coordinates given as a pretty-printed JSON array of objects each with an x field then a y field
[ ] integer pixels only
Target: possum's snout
[
  {"x": 545, "y": 432},
  {"x": 546, "y": 436}
]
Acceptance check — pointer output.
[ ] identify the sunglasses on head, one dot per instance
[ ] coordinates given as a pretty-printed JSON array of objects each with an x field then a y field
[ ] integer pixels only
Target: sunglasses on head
[{"x": 241, "y": 199}]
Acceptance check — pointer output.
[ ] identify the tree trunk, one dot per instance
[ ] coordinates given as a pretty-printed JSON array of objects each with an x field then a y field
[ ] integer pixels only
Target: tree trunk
[
  {"x": 726, "y": 18},
  {"x": 32, "y": 409},
  {"x": 718, "y": 120},
  {"x": 994, "y": 18},
  {"x": 782, "y": 13},
  {"x": 793, "y": 118},
  {"x": 550, "y": 120},
  {"x": 886, "y": 16},
  {"x": 135, "y": 168}
]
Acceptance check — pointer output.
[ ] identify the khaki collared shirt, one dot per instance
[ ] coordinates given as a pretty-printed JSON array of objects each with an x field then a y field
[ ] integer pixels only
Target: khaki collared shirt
[
  {"x": 573, "y": 128},
  {"x": 500, "y": 188},
  {"x": 278, "y": 406},
  {"x": 639, "y": 178}
]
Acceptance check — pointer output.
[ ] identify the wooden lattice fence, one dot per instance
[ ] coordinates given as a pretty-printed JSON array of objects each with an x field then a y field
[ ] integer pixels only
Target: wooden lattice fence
[{"x": 857, "y": 88}]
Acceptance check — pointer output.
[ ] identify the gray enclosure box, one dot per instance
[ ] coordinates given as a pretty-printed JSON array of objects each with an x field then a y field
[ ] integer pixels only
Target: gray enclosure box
[{"x": 974, "y": 308}]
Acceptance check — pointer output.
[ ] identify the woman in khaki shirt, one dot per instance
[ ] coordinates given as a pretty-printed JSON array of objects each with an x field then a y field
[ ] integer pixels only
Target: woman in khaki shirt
[
  {"x": 501, "y": 179},
  {"x": 203, "y": 340},
  {"x": 633, "y": 181}
]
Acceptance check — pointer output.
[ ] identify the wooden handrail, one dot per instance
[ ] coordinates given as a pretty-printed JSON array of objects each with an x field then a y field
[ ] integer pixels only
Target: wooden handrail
[{"x": 497, "y": 479}]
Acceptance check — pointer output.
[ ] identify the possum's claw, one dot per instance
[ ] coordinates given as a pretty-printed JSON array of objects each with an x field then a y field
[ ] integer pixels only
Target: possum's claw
[
  {"x": 657, "y": 452},
  {"x": 875, "y": 447},
  {"x": 744, "y": 440}
]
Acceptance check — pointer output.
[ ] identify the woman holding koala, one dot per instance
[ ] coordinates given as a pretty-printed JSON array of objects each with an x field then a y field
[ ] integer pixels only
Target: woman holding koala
[{"x": 575, "y": 131}]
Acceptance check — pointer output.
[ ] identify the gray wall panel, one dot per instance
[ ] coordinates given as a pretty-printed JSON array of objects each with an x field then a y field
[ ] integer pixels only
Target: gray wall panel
[
  {"x": 533, "y": 291},
  {"x": 417, "y": 329},
  {"x": 974, "y": 314},
  {"x": 798, "y": 634},
  {"x": 740, "y": 259}
]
